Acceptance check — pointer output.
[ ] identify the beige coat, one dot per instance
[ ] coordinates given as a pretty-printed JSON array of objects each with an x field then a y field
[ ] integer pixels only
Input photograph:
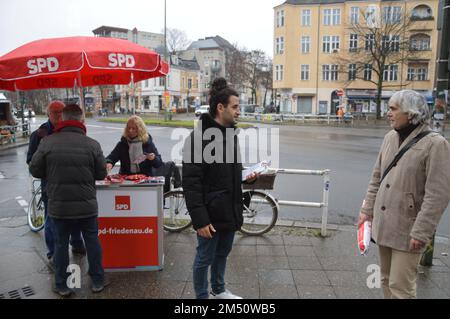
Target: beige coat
[{"x": 412, "y": 198}]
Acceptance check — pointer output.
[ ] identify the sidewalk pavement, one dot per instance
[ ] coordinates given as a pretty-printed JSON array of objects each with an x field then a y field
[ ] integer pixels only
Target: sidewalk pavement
[{"x": 287, "y": 263}]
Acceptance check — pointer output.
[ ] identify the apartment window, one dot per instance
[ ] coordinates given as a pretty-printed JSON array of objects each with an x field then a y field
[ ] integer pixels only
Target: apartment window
[
  {"x": 371, "y": 16},
  {"x": 304, "y": 76},
  {"x": 280, "y": 18},
  {"x": 354, "y": 15},
  {"x": 420, "y": 42},
  {"x": 390, "y": 73},
  {"x": 352, "y": 72},
  {"x": 330, "y": 72},
  {"x": 422, "y": 74},
  {"x": 353, "y": 42},
  {"x": 418, "y": 73},
  {"x": 279, "y": 70},
  {"x": 306, "y": 18},
  {"x": 331, "y": 16},
  {"x": 306, "y": 44},
  {"x": 280, "y": 45},
  {"x": 392, "y": 15},
  {"x": 162, "y": 81},
  {"x": 368, "y": 72},
  {"x": 370, "y": 41},
  {"x": 411, "y": 74},
  {"x": 330, "y": 44},
  {"x": 189, "y": 84},
  {"x": 391, "y": 43}
]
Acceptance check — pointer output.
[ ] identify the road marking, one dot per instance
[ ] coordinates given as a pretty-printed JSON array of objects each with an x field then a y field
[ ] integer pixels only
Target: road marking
[{"x": 23, "y": 203}]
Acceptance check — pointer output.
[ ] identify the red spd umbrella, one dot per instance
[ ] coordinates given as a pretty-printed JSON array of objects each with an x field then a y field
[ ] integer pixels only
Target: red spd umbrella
[{"x": 81, "y": 61}]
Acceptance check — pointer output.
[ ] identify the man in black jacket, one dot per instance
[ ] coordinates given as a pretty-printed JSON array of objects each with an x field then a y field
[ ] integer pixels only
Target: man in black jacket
[
  {"x": 71, "y": 162},
  {"x": 54, "y": 112},
  {"x": 212, "y": 177}
]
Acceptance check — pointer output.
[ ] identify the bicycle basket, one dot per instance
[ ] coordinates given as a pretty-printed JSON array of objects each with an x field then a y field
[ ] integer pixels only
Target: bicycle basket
[{"x": 264, "y": 181}]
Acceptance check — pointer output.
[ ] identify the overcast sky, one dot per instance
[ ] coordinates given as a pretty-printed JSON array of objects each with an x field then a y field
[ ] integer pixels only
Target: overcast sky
[{"x": 247, "y": 22}]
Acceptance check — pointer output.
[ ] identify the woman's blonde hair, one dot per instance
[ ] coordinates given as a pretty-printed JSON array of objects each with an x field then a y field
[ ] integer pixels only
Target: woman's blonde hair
[{"x": 141, "y": 128}]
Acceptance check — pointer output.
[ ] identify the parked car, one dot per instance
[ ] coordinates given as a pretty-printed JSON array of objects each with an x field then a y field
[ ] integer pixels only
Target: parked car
[
  {"x": 26, "y": 113},
  {"x": 248, "y": 108},
  {"x": 201, "y": 110}
]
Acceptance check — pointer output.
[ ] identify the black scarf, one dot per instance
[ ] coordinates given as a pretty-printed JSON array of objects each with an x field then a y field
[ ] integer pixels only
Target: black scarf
[{"x": 404, "y": 132}]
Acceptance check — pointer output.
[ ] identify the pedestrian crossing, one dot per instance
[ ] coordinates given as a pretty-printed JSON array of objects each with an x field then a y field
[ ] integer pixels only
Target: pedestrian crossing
[{"x": 23, "y": 203}]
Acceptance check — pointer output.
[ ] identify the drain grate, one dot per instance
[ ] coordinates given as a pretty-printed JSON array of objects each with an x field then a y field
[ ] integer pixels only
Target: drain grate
[{"x": 24, "y": 292}]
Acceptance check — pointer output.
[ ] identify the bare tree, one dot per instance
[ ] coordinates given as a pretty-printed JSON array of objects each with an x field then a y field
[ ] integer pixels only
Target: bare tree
[
  {"x": 235, "y": 70},
  {"x": 267, "y": 79},
  {"x": 379, "y": 48},
  {"x": 177, "y": 40},
  {"x": 256, "y": 62}
]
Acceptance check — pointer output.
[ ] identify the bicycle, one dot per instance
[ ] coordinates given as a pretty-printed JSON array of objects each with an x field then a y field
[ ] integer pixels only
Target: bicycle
[
  {"x": 260, "y": 208},
  {"x": 36, "y": 208}
]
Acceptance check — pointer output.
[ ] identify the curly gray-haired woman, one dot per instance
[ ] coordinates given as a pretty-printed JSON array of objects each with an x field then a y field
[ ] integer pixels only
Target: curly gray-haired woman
[{"x": 405, "y": 207}]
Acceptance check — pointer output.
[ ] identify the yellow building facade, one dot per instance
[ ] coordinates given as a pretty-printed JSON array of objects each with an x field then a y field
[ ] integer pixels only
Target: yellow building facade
[{"x": 309, "y": 34}]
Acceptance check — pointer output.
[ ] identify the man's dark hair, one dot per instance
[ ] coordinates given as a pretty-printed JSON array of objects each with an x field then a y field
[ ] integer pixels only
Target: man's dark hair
[
  {"x": 72, "y": 112},
  {"x": 219, "y": 93}
]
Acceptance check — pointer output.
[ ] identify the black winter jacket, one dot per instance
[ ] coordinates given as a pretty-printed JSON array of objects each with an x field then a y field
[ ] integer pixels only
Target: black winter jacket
[
  {"x": 213, "y": 190},
  {"x": 121, "y": 153},
  {"x": 71, "y": 162}
]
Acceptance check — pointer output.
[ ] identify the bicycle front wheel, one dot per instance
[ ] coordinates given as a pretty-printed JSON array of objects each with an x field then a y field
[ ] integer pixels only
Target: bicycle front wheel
[
  {"x": 260, "y": 213},
  {"x": 36, "y": 211},
  {"x": 176, "y": 215}
]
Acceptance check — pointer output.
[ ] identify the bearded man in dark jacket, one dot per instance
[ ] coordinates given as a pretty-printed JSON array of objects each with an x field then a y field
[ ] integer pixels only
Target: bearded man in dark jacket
[
  {"x": 71, "y": 162},
  {"x": 212, "y": 178}
]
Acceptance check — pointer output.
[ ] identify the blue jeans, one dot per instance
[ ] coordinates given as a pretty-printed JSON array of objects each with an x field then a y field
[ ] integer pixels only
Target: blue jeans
[
  {"x": 211, "y": 252},
  {"x": 75, "y": 237},
  {"x": 62, "y": 230}
]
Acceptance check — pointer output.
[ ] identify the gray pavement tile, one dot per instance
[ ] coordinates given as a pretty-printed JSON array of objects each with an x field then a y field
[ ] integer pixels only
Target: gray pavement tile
[
  {"x": 346, "y": 279},
  {"x": 272, "y": 240},
  {"x": 244, "y": 240},
  {"x": 242, "y": 262},
  {"x": 270, "y": 250},
  {"x": 337, "y": 263},
  {"x": 177, "y": 267},
  {"x": 279, "y": 292},
  {"x": 432, "y": 293},
  {"x": 275, "y": 277},
  {"x": 353, "y": 292},
  {"x": 165, "y": 290},
  {"x": 19, "y": 264},
  {"x": 273, "y": 262},
  {"x": 310, "y": 278},
  {"x": 188, "y": 291},
  {"x": 180, "y": 248},
  {"x": 243, "y": 250},
  {"x": 290, "y": 240},
  {"x": 316, "y": 292},
  {"x": 423, "y": 281},
  {"x": 300, "y": 251},
  {"x": 306, "y": 263}
]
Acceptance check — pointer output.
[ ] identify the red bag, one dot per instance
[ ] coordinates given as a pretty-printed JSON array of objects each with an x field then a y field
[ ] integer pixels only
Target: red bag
[{"x": 364, "y": 236}]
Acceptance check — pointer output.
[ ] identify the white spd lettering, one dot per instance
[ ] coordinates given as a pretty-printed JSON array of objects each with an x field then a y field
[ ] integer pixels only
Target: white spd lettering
[
  {"x": 40, "y": 65},
  {"x": 122, "y": 207},
  {"x": 119, "y": 60}
]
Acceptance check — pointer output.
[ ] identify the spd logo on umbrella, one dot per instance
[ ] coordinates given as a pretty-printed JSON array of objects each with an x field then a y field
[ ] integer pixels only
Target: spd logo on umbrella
[
  {"x": 119, "y": 59},
  {"x": 40, "y": 65}
]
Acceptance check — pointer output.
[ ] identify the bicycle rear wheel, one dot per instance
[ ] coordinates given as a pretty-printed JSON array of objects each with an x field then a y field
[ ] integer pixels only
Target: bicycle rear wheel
[
  {"x": 36, "y": 211},
  {"x": 176, "y": 216},
  {"x": 260, "y": 213}
]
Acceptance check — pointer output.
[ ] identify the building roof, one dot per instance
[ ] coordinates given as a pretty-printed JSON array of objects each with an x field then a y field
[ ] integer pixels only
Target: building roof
[
  {"x": 189, "y": 64},
  {"x": 306, "y": 2},
  {"x": 108, "y": 29},
  {"x": 216, "y": 42}
]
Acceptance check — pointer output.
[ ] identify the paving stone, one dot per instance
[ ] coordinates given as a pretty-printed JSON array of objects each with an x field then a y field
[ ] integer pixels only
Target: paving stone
[
  {"x": 275, "y": 277},
  {"x": 316, "y": 292},
  {"x": 273, "y": 262},
  {"x": 310, "y": 278},
  {"x": 279, "y": 292},
  {"x": 306, "y": 263}
]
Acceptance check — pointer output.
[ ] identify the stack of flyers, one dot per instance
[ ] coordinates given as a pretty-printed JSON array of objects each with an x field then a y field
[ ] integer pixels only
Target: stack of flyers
[{"x": 260, "y": 168}]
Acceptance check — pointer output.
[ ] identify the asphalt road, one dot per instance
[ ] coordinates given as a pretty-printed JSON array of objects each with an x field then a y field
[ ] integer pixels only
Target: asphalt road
[{"x": 349, "y": 154}]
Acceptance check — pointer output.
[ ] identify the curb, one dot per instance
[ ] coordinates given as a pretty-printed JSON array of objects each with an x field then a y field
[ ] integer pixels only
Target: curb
[{"x": 15, "y": 145}]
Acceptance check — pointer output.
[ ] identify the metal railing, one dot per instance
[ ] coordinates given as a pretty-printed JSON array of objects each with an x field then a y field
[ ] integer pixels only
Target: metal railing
[
  {"x": 325, "y": 196},
  {"x": 14, "y": 131},
  {"x": 300, "y": 118}
]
